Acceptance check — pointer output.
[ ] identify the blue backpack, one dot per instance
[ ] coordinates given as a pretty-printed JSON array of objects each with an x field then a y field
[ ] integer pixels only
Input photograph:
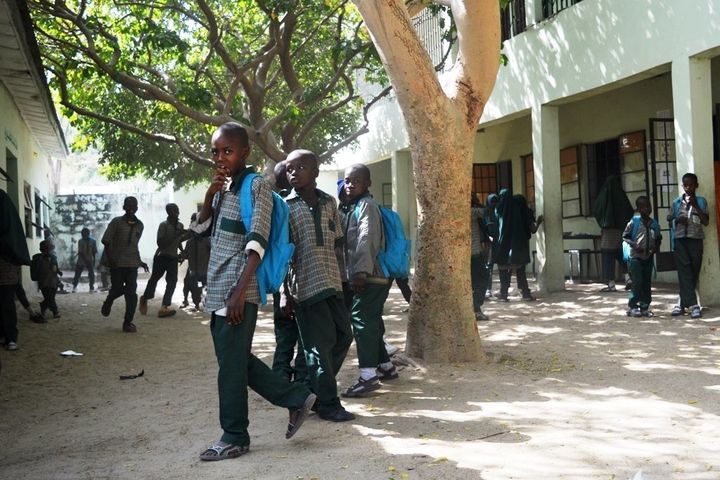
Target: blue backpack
[
  {"x": 395, "y": 258},
  {"x": 627, "y": 249},
  {"x": 273, "y": 268}
]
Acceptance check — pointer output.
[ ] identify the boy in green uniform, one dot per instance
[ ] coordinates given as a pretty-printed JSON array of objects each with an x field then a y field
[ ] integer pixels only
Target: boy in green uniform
[
  {"x": 363, "y": 240},
  {"x": 87, "y": 250},
  {"x": 47, "y": 277},
  {"x": 121, "y": 241},
  {"x": 315, "y": 287},
  {"x": 643, "y": 236},
  {"x": 170, "y": 234},
  {"x": 287, "y": 336},
  {"x": 688, "y": 216},
  {"x": 233, "y": 296}
]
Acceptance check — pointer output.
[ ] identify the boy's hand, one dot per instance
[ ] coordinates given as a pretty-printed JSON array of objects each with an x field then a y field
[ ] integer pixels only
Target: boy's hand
[
  {"x": 145, "y": 267},
  {"x": 287, "y": 304},
  {"x": 357, "y": 282},
  {"x": 219, "y": 180},
  {"x": 539, "y": 220},
  {"x": 235, "y": 307},
  {"x": 681, "y": 220}
]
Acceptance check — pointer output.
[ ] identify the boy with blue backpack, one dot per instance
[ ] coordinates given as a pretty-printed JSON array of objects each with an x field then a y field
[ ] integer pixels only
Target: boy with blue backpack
[
  {"x": 641, "y": 240},
  {"x": 364, "y": 240},
  {"x": 314, "y": 285},
  {"x": 688, "y": 215},
  {"x": 238, "y": 211}
]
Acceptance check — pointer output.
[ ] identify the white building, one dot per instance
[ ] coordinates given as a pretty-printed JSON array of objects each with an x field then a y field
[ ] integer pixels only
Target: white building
[
  {"x": 32, "y": 145},
  {"x": 592, "y": 88}
]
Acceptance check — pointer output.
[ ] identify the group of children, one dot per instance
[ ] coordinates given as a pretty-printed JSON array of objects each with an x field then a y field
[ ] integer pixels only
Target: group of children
[{"x": 312, "y": 298}]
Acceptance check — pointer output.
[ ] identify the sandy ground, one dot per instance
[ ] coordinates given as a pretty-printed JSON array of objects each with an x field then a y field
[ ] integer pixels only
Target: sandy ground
[{"x": 572, "y": 389}]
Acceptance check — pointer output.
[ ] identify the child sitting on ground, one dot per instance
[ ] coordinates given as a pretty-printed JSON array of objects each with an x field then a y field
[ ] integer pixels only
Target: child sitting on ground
[{"x": 642, "y": 235}]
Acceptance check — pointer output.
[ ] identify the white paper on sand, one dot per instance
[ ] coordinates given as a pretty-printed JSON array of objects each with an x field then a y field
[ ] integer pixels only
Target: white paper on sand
[{"x": 71, "y": 353}]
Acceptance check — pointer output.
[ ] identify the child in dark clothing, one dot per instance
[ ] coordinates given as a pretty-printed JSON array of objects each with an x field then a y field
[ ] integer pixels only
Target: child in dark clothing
[
  {"x": 47, "y": 270},
  {"x": 642, "y": 234}
]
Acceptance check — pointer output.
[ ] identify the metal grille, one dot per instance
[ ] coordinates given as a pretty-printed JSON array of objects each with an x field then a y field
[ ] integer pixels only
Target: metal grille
[
  {"x": 553, "y": 7},
  {"x": 427, "y": 26},
  {"x": 512, "y": 19}
]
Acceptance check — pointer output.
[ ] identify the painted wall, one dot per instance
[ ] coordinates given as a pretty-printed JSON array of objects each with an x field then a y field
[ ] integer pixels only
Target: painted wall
[{"x": 34, "y": 166}]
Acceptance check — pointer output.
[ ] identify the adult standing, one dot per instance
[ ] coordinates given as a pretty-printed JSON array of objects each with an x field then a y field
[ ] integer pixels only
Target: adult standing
[{"x": 612, "y": 211}]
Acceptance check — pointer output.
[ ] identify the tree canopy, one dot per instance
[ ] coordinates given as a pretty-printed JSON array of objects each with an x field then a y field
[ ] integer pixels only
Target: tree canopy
[{"x": 147, "y": 81}]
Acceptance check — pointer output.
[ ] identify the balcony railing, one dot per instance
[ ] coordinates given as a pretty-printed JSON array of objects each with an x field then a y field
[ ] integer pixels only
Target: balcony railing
[
  {"x": 512, "y": 19},
  {"x": 553, "y": 7}
]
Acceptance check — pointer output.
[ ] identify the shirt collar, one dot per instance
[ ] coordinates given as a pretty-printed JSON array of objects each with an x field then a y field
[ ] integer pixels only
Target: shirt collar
[
  {"x": 322, "y": 196},
  {"x": 238, "y": 179}
]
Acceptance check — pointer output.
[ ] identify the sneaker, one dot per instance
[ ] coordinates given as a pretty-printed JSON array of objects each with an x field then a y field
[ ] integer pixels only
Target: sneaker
[
  {"x": 646, "y": 313},
  {"x": 56, "y": 315},
  {"x": 677, "y": 311},
  {"x": 391, "y": 349},
  {"x": 92, "y": 290},
  {"x": 339, "y": 414},
  {"x": 37, "y": 318},
  {"x": 74, "y": 289},
  {"x": 389, "y": 374},
  {"x": 143, "y": 305},
  {"x": 528, "y": 298},
  {"x": 628, "y": 312},
  {"x": 129, "y": 327},
  {"x": 105, "y": 309},
  {"x": 481, "y": 317},
  {"x": 362, "y": 387},
  {"x": 628, "y": 286},
  {"x": 636, "y": 312},
  {"x": 695, "y": 313},
  {"x": 502, "y": 298},
  {"x": 11, "y": 346},
  {"x": 165, "y": 311},
  {"x": 184, "y": 304}
]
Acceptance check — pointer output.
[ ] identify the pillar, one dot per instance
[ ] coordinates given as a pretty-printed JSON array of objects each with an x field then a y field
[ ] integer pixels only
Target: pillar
[
  {"x": 550, "y": 265},
  {"x": 403, "y": 193},
  {"x": 692, "y": 105}
]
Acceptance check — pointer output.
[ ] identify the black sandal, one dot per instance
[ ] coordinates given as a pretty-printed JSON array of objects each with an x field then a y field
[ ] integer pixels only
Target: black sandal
[{"x": 298, "y": 415}]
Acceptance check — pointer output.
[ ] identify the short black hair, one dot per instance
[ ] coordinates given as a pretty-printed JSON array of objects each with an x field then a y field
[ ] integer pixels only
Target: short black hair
[
  {"x": 169, "y": 206},
  {"x": 300, "y": 153},
  {"x": 691, "y": 176},
  {"x": 236, "y": 131},
  {"x": 85, "y": 230},
  {"x": 129, "y": 199},
  {"x": 362, "y": 168},
  {"x": 641, "y": 198},
  {"x": 45, "y": 245},
  {"x": 281, "y": 181}
]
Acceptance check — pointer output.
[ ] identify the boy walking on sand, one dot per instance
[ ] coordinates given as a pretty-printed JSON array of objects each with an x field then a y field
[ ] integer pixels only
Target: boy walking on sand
[
  {"x": 642, "y": 234},
  {"x": 121, "y": 241},
  {"x": 87, "y": 250},
  {"x": 315, "y": 286},
  {"x": 47, "y": 272},
  {"x": 364, "y": 238},
  {"x": 688, "y": 216},
  {"x": 233, "y": 296},
  {"x": 169, "y": 236}
]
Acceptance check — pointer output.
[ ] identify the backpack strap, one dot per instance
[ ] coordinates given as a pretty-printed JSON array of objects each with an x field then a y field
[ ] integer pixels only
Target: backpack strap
[{"x": 246, "y": 202}]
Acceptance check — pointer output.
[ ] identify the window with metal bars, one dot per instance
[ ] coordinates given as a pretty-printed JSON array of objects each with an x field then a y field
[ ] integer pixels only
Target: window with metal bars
[
  {"x": 553, "y": 7},
  {"x": 512, "y": 19}
]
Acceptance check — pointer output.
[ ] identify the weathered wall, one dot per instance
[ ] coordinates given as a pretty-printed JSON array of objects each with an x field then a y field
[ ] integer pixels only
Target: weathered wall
[{"x": 74, "y": 212}]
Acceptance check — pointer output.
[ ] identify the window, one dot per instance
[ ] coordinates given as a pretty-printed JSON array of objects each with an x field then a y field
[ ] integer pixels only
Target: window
[
  {"x": 553, "y": 7},
  {"x": 387, "y": 195},
  {"x": 570, "y": 182},
  {"x": 529, "y": 176},
  {"x": 484, "y": 180},
  {"x": 38, "y": 215},
  {"x": 603, "y": 161},
  {"x": 512, "y": 19},
  {"x": 27, "y": 193}
]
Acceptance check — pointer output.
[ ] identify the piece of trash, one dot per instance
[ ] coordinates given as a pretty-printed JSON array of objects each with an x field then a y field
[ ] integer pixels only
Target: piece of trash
[
  {"x": 83, "y": 304},
  {"x": 71, "y": 353},
  {"x": 638, "y": 475},
  {"x": 130, "y": 377}
]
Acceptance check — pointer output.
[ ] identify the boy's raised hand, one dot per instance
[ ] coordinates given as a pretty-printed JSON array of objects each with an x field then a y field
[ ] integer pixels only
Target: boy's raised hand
[{"x": 219, "y": 180}]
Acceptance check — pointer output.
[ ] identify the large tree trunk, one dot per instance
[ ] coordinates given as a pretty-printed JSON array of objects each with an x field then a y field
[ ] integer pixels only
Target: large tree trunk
[
  {"x": 442, "y": 325},
  {"x": 441, "y": 122}
]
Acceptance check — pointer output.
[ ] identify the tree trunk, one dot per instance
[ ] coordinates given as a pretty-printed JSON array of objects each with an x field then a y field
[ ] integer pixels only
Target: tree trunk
[{"x": 442, "y": 327}]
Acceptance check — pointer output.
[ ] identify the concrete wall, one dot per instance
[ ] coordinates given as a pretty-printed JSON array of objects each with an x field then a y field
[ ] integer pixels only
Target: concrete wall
[{"x": 34, "y": 166}]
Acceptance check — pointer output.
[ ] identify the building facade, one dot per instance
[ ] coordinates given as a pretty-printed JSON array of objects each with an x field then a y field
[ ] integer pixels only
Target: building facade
[
  {"x": 32, "y": 144},
  {"x": 592, "y": 88}
]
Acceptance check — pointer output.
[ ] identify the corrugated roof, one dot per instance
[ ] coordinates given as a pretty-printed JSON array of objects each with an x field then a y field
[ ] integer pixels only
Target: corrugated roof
[{"x": 22, "y": 73}]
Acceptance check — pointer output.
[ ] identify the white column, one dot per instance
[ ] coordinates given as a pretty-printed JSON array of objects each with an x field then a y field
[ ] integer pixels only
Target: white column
[
  {"x": 403, "y": 193},
  {"x": 550, "y": 264},
  {"x": 692, "y": 105}
]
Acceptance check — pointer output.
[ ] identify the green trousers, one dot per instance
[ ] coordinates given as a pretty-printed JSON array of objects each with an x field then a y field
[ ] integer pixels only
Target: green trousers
[
  {"x": 641, "y": 275},
  {"x": 326, "y": 336},
  {"x": 368, "y": 326},
  {"x": 240, "y": 369},
  {"x": 688, "y": 259},
  {"x": 287, "y": 337}
]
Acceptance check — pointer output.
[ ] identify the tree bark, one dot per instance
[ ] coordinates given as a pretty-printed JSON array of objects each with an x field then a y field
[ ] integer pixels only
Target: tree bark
[{"x": 441, "y": 122}]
